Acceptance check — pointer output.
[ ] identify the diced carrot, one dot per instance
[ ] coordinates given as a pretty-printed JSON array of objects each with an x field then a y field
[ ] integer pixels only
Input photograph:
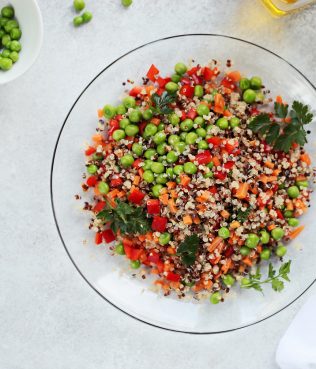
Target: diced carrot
[
  {"x": 247, "y": 261},
  {"x": 100, "y": 113},
  {"x": 136, "y": 180},
  {"x": 269, "y": 164},
  {"x": 289, "y": 205},
  {"x": 142, "y": 237},
  {"x": 296, "y": 232},
  {"x": 276, "y": 172},
  {"x": 141, "y": 172},
  {"x": 196, "y": 220},
  {"x": 279, "y": 99},
  {"x": 229, "y": 264},
  {"x": 149, "y": 88},
  {"x": 271, "y": 226},
  {"x": 187, "y": 219},
  {"x": 234, "y": 75},
  {"x": 287, "y": 120},
  {"x": 155, "y": 121},
  {"x": 201, "y": 208},
  {"x": 172, "y": 206},
  {"x": 219, "y": 104},
  {"x": 163, "y": 191},
  {"x": 254, "y": 190},
  {"x": 171, "y": 250},
  {"x": 305, "y": 158},
  {"x": 215, "y": 243},
  {"x": 235, "y": 224},
  {"x": 175, "y": 285},
  {"x": 173, "y": 194},
  {"x": 171, "y": 185},
  {"x": 207, "y": 284},
  {"x": 259, "y": 249},
  {"x": 225, "y": 214},
  {"x": 120, "y": 194},
  {"x": 242, "y": 191},
  {"x": 204, "y": 197},
  {"x": 97, "y": 138},
  {"x": 299, "y": 204},
  {"x": 113, "y": 193},
  {"x": 155, "y": 271},
  {"x": 184, "y": 180},
  {"x": 241, "y": 268},
  {"x": 227, "y": 113},
  {"x": 300, "y": 178},
  {"x": 216, "y": 161},
  {"x": 164, "y": 198},
  {"x": 96, "y": 191}
]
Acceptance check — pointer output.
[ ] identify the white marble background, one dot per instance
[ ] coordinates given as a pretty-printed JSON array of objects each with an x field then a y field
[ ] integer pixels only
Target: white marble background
[{"x": 49, "y": 317}]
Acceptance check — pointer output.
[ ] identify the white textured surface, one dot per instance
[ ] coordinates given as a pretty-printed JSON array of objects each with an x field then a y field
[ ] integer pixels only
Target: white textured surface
[{"x": 49, "y": 317}]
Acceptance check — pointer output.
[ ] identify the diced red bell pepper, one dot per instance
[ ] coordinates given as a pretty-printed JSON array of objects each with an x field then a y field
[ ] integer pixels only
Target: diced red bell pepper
[
  {"x": 185, "y": 80},
  {"x": 153, "y": 257},
  {"x": 173, "y": 277},
  {"x": 187, "y": 91},
  {"x": 153, "y": 206},
  {"x": 228, "y": 165},
  {"x": 98, "y": 238},
  {"x": 99, "y": 206},
  {"x": 136, "y": 196},
  {"x": 191, "y": 114},
  {"x": 131, "y": 252},
  {"x": 220, "y": 175},
  {"x": 279, "y": 214},
  {"x": 114, "y": 125},
  {"x": 108, "y": 235},
  {"x": 196, "y": 79},
  {"x": 90, "y": 150},
  {"x": 204, "y": 157},
  {"x": 92, "y": 181},
  {"x": 183, "y": 115},
  {"x": 135, "y": 91},
  {"x": 116, "y": 182},
  {"x": 142, "y": 126},
  {"x": 230, "y": 148},
  {"x": 162, "y": 81},
  {"x": 213, "y": 190},
  {"x": 215, "y": 141},
  {"x": 254, "y": 111},
  {"x": 209, "y": 73},
  {"x": 160, "y": 91},
  {"x": 159, "y": 224},
  {"x": 160, "y": 266},
  {"x": 229, "y": 251},
  {"x": 152, "y": 72},
  {"x": 275, "y": 187},
  {"x": 192, "y": 71},
  {"x": 228, "y": 83},
  {"x": 137, "y": 162}
]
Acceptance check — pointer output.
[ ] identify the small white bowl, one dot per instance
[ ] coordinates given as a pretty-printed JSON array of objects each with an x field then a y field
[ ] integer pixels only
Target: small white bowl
[{"x": 29, "y": 17}]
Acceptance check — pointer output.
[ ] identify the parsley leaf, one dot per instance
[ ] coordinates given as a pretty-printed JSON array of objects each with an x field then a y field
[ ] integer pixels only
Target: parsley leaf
[
  {"x": 126, "y": 218},
  {"x": 281, "y": 110},
  {"x": 161, "y": 103},
  {"x": 188, "y": 248},
  {"x": 242, "y": 216}
]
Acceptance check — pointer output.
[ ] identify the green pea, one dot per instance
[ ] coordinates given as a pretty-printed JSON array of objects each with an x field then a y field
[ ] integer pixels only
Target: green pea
[
  {"x": 92, "y": 168},
  {"x": 244, "y": 83},
  {"x": 202, "y": 145},
  {"x": 228, "y": 280},
  {"x": 288, "y": 213},
  {"x": 210, "y": 165},
  {"x": 208, "y": 175},
  {"x": 175, "y": 78},
  {"x": 293, "y": 192},
  {"x": 302, "y": 183},
  {"x": 293, "y": 222},
  {"x": 79, "y": 5},
  {"x": 97, "y": 156},
  {"x": 173, "y": 139},
  {"x": 131, "y": 130},
  {"x": 174, "y": 119},
  {"x": 15, "y": 46},
  {"x": 201, "y": 132},
  {"x": 178, "y": 169},
  {"x": 222, "y": 123},
  {"x": 137, "y": 149},
  {"x": 147, "y": 164},
  {"x": 161, "y": 159},
  {"x": 191, "y": 138},
  {"x": 150, "y": 129},
  {"x": 157, "y": 168},
  {"x": 135, "y": 116},
  {"x": 14, "y": 56},
  {"x": 15, "y": 34},
  {"x": 162, "y": 148},
  {"x": 244, "y": 250},
  {"x": 129, "y": 102},
  {"x": 277, "y": 233},
  {"x": 6, "y": 39},
  {"x": 265, "y": 254},
  {"x": 224, "y": 232},
  {"x": 10, "y": 25},
  {"x": 170, "y": 172},
  {"x": 183, "y": 135},
  {"x": 150, "y": 153},
  {"x": 147, "y": 114},
  {"x": 256, "y": 83},
  {"x": 160, "y": 137},
  {"x": 252, "y": 240},
  {"x": 180, "y": 68},
  {"x": 161, "y": 127},
  {"x": 189, "y": 168},
  {"x": 6, "y": 53},
  {"x": 281, "y": 250},
  {"x": 186, "y": 125},
  {"x": 3, "y": 21},
  {"x": 215, "y": 298},
  {"x": 198, "y": 91},
  {"x": 172, "y": 87},
  {"x": 164, "y": 238},
  {"x": 7, "y": 11},
  {"x": 127, "y": 160},
  {"x": 103, "y": 188},
  {"x": 180, "y": 147},
  {"x": 234, "y": 122},
  {"x": 126, "y": 3},
  {"x": 135, "y": 264},
  {"x": 87, "y": 16},
  {"x": 119, "y": 249},
  {"x": 172, "y": 157},
  {"x": 202, "y": 110},
  {"x": 156, "y": 189},
  {"x": 124, "y": 123},
  {"x": 199, "y": 121},
  {"x": 118, "y": 135},
  {"x": 109, "y": 111},
  {"x": 249, "y": 96},
  {"x": 264, "y": 237},
  {"x": 162, "y": 178},
  {"x": 148, "y": 176},
  {"x": 120, "y": 109},
  {"x": 5, "y": 63},
  {"x": 259, "y": 96}
]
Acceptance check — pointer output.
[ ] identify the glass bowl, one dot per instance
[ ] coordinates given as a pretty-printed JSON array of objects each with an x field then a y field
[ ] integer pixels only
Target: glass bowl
[{"x": 110, "y": 275}]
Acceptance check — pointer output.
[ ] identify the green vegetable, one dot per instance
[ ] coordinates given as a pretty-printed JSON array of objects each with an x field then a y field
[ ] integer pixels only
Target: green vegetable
[
  {"x": 234, "y": 122},
  {"x": 222, "y": 123},
  {"x": 256, "y": 83},
  {"x": 131, "y": 130},
  {"x": 150, "y": 130},
  {"x": 293, "y": 222},
  {"x": 189, "y": 168},
  {"x": 157, "y": 168},
  {"x": 119, "y": 249},
  {"x": 252, "y": 240},
  {"x": 15, "y": 46},
  {"x": 186, "y": 125},
  {"x": 174, "y": 119},
  {"x": 224, "y": 232},
  {"x": 191, "y": 138},
  {"x": 129, "y": 102},
  {"x": 147, "y": 114},
  {"x": 178, "y": 169},
  {"x": 148, "y": 176},
  {"x": 7, "y": 12},
  {"x": 175, "y": 78},
  {"x": 15, "y": 34},
  {"x": 293, "y": 192},
  {"x": 249, "y": 96},
  {"x": 228, "y": 280},
  {"x": 161, "y": 103},
  {"x": 164, "y": 238},
  {"x": 127, "y": 160},
  {"x": 198, "y": 91},
  {"x": 172, "y": 157},
  {"x": 162, "y": 148},
  {"x": 124, "y": 123},
  {"x": 135, "y": 264},
  {"x": 242, "y": 216},
  {"x": 172, "y": 87},
  {"x": 109, "y": 111},
  {"x": 264, "y": 237},
  {"x": 180, "y": 147},
  {"x": 244, "y": 250},
  {"x": 79, "y": 5},
  {"x": 159, "y": 138},
  {"x": 215, "y": 298},
  {"x": 91, "y": 168},
  {"x": 103, "y": 188},
  {"x": 118, "y": 135},
  {"x": 188, "y": 248},
  {"x": 126, "y": 3},
  {"x": 180, "y": 68},
  {"x": 14, "y": 56},
  {"x": 202, "y": 145},
  {"x": 10, "y": 25},
  {"x": 265, "y": 254},
  {"x": 87, "y": 16},
  {"x": 5, "y": 63},
  {"x": 244, "y": 83},
  {"x": 281, "y": 250},
  {"x": 277, "y": 233},
  {"x": 301, "y": 183},
  {"x": 156, "y": 189},
  {"x": 202, "y": 109},
  {"x": 150, "y": 153},
  {"x": 135, "y": 116}
]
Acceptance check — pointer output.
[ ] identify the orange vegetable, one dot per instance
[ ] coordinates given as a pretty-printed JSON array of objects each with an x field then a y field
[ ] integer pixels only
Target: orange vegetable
[
  {"x": 242, "y": 191},
  {"x": 271, "y": 226},
  {"x": 305, "y": 158},
  {"x": 172, "y": 206},
  {"x": 215, "y": 243},
  {"x": 247, "y": 261},
  {"x": 164, "y": 198},
  {"x": 300, "y": 178},
  {"x": 136, "y": 180},
  {"x": 185, "y": 180},
  {"x": 171, "y": 185},
  {"x": 296, "y": 232},
  {"x": 171, "y": 250},
  {"x": 268, "y": 164},
  {"x": 276, "y": 172},
  {"x": 173, "y": 194},
  {"x": 225, "y": 214},
  {"x": 227, "y": 113},
  {"x": 289, "y": 205},
  {"x": 113, "y": 193},
  {"x": 279, "y": 99},
  {"x": 235, "y": 224},
  {"x": 196, "y": 220},
  {"x": 187, "y": 219},
  {"x": 234, "y": 75},
  {"x": 155, "y": 121},
  {"x": 229, "y": 264},
  {"x": 97, "y": 138},
  {"x": 219, "y": 104},
  {"x": 100, "y": 113},
  {"x": 216, "y": 161}
]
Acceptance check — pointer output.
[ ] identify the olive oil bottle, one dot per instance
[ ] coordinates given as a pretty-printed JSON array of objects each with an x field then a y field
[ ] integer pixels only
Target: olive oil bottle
[{"x": 284, "y": 7}]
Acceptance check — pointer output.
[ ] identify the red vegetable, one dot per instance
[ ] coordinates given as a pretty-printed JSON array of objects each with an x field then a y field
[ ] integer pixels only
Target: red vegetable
[
  {"x": 220, "y": 175},
  {"x": 228, "y": 165},
  {"x": 215, "y": 141},
  {"x": 159, "y": 224},
  {"x": 99, "y": 206},
  {"x": 228, "y": 83},
  {"x": 114, "y": 125},
  {"x": 135, "y": 91},
  {"x": 136, "y": 196},
  {"x": 191, "y": 114},
  {"x": 204, "y": 157},
  {"x": 108, "y": 235},
  {"x": 153, "y": 257},
  {"x": 131, "y": 252},
  {"x": 92, "y": 181},
  {"x": 90, "y": 150},
  {"x": 193, "y": 71},
  {"x": 229, "y": 251},
  {"x": 137, "y": 162},
  {"x": 187, "y": 91},
  {"x": 209, "y": 73},
  {"x": 279, "y": 214},
  {"x": 213, "y": 190},
  {"x": 173, "y": 277},
  {"x": 98, "y": 238},
  {"x": 116, "y": 182},
  {"x": 163, "y": 81},
  {"x": 152, "y": 72},
  {"x": 153, "y": 206}
]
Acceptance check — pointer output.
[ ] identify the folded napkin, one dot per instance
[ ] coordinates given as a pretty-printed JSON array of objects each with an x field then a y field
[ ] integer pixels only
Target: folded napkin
[{"x": 297, "y": 348}]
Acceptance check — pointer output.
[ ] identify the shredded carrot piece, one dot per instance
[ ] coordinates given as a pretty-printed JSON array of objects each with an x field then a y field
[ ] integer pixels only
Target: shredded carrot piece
[
  {"x": 225, "y": 214},
  {"x": 136, "y": 180},
  {"x": 229, "y": 264},
  {"x": 172, "y": 206},
  {"x": 171, "y": 250},
  {"x": 234, "y": 75},
  {"x": 216, "y": 161},
  {"x": 247, "y": 261},
  {"x": 289, "y": 205},
  {"x": 155, "y": 121},
  {"x": 164, "y": 198},
  {"x": 196, "y": 220},
  {"x": 296, "y": 232},
  {"x": 305, "y": 158},
  {"x": 268, "y": 164},
  {"x": 171, "y": 185},
  {"x": 242, "y": 190},
  {"x": 279, "y": 99},
  {"x": 271, "y": 226},
  {"x": 173, "y": 194},
  {"x": 215, "y": 243},
  {"x": 184, "y": 180},
  {"x": 97, "y": 138}
]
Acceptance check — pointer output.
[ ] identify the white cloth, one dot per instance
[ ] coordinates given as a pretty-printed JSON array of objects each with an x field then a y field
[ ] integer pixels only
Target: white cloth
[{"x": 297, "y": 348}]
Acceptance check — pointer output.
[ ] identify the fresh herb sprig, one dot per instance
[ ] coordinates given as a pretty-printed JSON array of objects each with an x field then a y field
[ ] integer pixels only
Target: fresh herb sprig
[
  {"x": 254, "y": 280},
  {"x": 161, "y": 103},
  {"x": 242, "y": 216},
  {"x": 124, "y": 217},
  {"x": 281, "y": 134},
  {"x": 188, "y": 248}
]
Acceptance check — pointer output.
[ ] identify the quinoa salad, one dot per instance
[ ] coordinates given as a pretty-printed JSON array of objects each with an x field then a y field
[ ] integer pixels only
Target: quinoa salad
[{"x": 200, "y": 177}]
